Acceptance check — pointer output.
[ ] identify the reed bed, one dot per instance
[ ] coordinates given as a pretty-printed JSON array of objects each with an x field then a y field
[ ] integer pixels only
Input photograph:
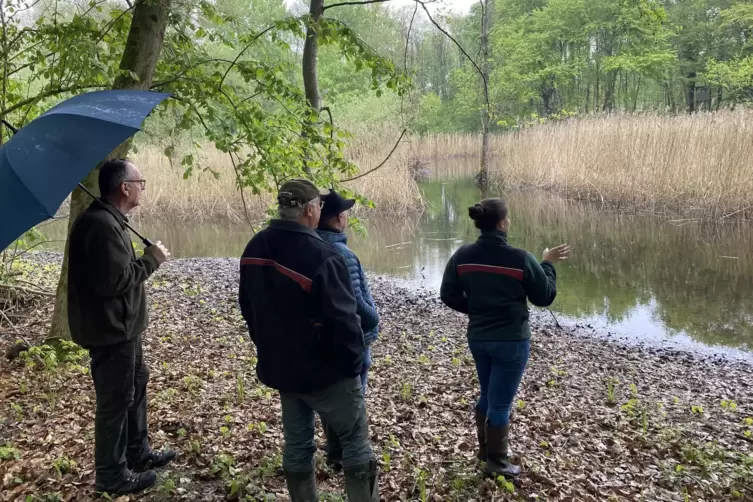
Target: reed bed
[
  {"x": 696, "y": 166},
  {"x": 692, "y": 166}
]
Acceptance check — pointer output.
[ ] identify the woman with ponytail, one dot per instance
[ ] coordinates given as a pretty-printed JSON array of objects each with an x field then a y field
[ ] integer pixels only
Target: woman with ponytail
[{"x": 492, "y": 282}]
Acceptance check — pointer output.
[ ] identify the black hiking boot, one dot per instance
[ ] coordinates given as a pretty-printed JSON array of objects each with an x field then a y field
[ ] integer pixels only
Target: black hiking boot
[
  {"x": 497, "y": 453},
  {"x": 361, "y": 483},
  {"x": 153, "y": 460},
  {"x": 301, "y": 486},
  {"x": 131, "y": 483},
  {"x": 481, "y": 435}
]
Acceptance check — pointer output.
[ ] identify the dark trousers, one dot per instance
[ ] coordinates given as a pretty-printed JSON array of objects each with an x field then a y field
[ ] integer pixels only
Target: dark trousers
[
  {"x": 500, "y": 366},
  {"x": 120, "y": 429},
  {"x": 342, "y": 406}
]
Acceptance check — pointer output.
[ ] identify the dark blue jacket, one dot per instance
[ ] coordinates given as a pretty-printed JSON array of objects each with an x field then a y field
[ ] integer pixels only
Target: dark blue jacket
[
  {"x": 297, "y": 299},
  {"x": 366, "y": 306},
  {"x": 492, "y": 282}
]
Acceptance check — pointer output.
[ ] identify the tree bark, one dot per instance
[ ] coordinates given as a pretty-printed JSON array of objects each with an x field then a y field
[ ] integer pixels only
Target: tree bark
[
  {"x": 690, "y": 92},
  {"x": 609, "y": 88},
  {"x": 140, "y": 56},
  {"x": 482, "y": 178},
  {"x": 310, "y": 55}
]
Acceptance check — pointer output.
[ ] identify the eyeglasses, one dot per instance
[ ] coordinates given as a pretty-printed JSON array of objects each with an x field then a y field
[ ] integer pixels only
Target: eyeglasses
[
  {"x": 141, "y": 182},
  {"x": 321, "y": 202}
]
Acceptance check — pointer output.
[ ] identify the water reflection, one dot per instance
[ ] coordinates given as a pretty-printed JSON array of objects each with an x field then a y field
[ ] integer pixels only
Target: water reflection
[{"x": 637, "y": 274}]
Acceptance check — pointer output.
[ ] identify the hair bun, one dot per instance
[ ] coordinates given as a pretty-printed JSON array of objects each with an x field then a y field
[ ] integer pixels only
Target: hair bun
[{"x": 476, "y": 211}]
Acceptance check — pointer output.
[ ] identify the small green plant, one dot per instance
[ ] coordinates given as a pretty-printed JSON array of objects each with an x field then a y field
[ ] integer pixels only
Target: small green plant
[
  {"x": 611, "y": 390},
  {"x": 223, "y": 465},
  {"x": 182, "y": 432},
  {"x": 505, "y": 484},
  {"x": 193, "y": 384},
  {"x": 421, "y": 477},
  {"x": 225, "y": 431},
  {"x": 405, "y": 392},
  {"x": 521, "y": 404},
  {"x": 386, "y": 458},
  {"x": 424, "y": 360},
  {"x": 9, "y": 452},
  {"x": 394, "y": 442},
  {"x": 168, "y": 488},
  {"x": 263, "y": 427},
  {"x": 240, "y": 388},
  {"x": 64, "y": 465},
  {"x": 456, "y": 362},
  {"x": 17, "y": 410},
  {"x": 194, "y": 447},
  {"x": 729, "y": 405},
  {"x": 696, "y": 410}
]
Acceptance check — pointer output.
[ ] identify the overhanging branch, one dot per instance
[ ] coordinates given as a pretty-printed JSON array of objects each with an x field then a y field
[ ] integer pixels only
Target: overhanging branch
[
  {"x": 49, "y": 94},
  {"x": 382, "y": 163},
  {"x": 342, "y": 4}
]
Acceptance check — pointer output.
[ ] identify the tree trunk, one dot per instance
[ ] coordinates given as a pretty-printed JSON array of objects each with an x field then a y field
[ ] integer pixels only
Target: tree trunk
[
  {"x": 690, "y": 93},
  {"x": 482, "y": 178},
  {"x": 310, "y": 56},
  {"x": 596, "y": 93},
  {"x": 609, "y": 87},
  {"x": 140, "y": 56}
]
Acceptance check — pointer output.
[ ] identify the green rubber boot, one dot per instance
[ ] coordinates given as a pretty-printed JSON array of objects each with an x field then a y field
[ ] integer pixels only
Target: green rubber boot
[
  {"x": 301, "y": 486},
  {"x": 361, "y": 483}
]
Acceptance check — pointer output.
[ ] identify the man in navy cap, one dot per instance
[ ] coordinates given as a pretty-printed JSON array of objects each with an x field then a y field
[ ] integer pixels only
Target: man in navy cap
[{"x": 332, "y": 225}]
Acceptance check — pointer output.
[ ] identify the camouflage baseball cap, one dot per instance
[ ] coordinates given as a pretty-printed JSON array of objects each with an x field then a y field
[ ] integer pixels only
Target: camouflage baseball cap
[{"x": 298, "y": 192}]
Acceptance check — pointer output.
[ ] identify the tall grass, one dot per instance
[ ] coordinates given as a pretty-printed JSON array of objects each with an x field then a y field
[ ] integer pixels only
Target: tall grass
[{"x": 696, "y": 166}]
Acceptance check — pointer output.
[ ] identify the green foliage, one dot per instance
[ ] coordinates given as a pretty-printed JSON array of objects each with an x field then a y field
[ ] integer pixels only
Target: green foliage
[{"x": 9, "y": 452}]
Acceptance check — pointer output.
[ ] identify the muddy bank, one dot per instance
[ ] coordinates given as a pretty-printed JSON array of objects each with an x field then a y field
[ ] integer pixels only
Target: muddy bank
[{"x": 595, "y": 419}]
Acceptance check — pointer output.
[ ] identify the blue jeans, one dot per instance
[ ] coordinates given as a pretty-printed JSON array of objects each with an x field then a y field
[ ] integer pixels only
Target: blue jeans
[{"x": 500, "y": 366}]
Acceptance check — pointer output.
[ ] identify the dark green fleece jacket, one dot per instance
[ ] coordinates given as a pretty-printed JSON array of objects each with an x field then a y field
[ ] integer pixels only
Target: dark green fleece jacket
[
  {"x": 106, "y": 297},
  {"x": 491, "y": 281}
]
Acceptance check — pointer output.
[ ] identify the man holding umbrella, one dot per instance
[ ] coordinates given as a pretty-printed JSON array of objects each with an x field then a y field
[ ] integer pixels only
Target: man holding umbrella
[{"x": 107, "y": 315}]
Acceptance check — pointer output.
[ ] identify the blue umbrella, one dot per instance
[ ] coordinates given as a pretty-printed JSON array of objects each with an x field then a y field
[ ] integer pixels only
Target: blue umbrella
[{"x": 45, "y": 160}]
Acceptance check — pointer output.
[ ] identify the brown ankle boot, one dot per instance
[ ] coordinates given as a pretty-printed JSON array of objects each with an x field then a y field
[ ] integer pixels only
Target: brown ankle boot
[
  {"x": 481, "y": 435},
  {"x": 497, "y": 462}
]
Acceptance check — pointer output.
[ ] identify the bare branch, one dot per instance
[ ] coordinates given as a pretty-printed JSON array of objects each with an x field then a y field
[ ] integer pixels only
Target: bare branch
[
  {"x": 240, "y": 187},
  {"x": 331, "y": 122},
  {"x": 407, "y": 38},
  {"x": 365, "y": 2},
  {"x": 49, "y": 94},
  {"x": 112, "y": 23},
  {"x": 382, "y": 163},
  {"x": 130, "y": 5},
  {"x": 264, "y": 32},
  {"x": 478, "y": 68}
]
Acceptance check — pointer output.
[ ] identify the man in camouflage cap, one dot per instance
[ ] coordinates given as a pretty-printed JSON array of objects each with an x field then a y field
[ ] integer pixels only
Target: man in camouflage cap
[{"x": 298, "y": 301}]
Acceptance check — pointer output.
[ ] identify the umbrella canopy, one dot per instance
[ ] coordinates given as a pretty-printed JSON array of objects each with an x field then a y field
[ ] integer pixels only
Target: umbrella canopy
[{"x": 43, "y": 162}]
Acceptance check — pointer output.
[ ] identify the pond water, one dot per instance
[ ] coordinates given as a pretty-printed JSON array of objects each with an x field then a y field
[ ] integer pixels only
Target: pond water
[{"x": 638, "y": 275}]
